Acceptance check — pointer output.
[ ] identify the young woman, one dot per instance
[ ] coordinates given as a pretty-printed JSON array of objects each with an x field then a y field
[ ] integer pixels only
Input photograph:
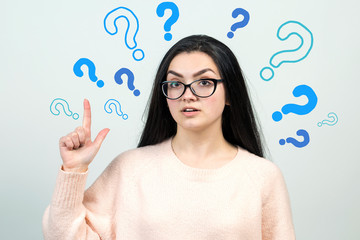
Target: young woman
[{"x": 198, "y": 171}]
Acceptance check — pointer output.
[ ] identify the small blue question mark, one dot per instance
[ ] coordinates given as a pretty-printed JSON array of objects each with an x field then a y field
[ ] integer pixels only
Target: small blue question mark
[
  {"x": 130, "y": 82},
  {"x": 116, "y": 104},
  {"x": 65, "y": 106},
  {"x": 91, "y": 66},
  {"x": 160, "y": 11},
  {"x": 301, "y": 90},
  {"x": 243, "y": 23},
  {"x": 296, "y": 143},
  {"x": 334, "y": 120}
]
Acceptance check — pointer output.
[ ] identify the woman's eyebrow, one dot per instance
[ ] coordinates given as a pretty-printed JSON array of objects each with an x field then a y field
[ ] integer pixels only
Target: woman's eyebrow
[
  {"x": 175, "y": 73},
  {"x": 194, "y": 75},
  {"x": 203, "y": 71}
]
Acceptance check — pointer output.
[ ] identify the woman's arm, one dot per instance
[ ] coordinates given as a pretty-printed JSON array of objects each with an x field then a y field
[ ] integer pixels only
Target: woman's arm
[
  {"x": 73, "y": 214},
  {"x": 277, "y": 221},
  {"x": 67, "y": 217}
]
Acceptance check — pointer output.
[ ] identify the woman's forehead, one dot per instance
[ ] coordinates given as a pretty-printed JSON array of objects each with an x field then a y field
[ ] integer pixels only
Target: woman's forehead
[{"x": 194, "y": 63}]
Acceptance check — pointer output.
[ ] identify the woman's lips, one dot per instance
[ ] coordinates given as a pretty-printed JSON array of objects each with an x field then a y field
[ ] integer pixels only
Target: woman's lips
[{"x": 189, "y": 111}]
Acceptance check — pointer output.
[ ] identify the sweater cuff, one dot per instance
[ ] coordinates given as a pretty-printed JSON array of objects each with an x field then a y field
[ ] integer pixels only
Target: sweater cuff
[{"x": 69, "y": 189}]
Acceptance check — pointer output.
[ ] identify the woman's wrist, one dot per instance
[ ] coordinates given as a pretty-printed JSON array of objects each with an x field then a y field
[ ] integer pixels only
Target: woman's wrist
[{"x": 74, "y": 170}]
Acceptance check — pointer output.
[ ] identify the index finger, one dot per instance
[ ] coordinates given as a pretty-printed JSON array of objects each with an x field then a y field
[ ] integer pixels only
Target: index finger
[{"x": 87, "y": 115}]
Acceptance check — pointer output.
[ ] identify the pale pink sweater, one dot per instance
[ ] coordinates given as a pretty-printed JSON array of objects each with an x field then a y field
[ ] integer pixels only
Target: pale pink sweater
[{"x": 148, "y": 193}]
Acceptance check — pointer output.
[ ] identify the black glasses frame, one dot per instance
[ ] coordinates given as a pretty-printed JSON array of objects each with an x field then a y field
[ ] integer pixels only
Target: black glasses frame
[{"x": 215, "y": 81}]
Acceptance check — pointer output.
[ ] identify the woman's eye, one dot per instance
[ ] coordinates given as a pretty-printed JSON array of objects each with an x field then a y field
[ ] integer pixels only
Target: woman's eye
[
  {"x": 174, "y": 84},
  {"x": 205, "y": 83}
]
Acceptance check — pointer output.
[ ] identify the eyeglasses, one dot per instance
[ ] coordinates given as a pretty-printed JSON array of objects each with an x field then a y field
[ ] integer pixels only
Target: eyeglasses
[{"x": 201, "y": 88}]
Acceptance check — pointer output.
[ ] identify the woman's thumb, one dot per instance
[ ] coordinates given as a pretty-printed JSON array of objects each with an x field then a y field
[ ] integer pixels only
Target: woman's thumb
[{"x": 101, "y": 136}]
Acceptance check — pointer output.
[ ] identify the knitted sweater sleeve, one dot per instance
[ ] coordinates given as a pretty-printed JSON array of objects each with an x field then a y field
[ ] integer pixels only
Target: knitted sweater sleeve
[
  {"x": 276, "y": 212},
  {"x": 78, "y": 214}
]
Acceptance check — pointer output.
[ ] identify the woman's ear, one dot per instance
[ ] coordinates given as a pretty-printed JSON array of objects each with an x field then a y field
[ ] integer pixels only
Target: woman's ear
[{"x": 227, "y": 102}]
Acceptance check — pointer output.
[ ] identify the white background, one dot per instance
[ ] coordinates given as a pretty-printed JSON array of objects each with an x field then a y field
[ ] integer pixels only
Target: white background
[{"x": 42, "y": 40}]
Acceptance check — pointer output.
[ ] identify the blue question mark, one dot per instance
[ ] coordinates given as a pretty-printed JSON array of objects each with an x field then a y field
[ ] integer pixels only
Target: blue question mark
[
  {"x": 243, "y": 23},
  {"x": 116, "y": 104},
  {"x": 334, "y": 120},
  {"x": 130, "y": 81},
  {"x": 131, "y": 31},
  {"x": 91, "y": 66},
  {"x": 296, "y": 143},
  {"x": 65, "y": 106},
  {"x": 293, "y": 55},
  {"x": 160, "y": 11},
  {"x": 301, "y": 90}
]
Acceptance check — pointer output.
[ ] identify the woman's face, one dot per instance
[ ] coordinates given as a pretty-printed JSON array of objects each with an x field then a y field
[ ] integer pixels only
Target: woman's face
[{"x": 189, "y": 111}]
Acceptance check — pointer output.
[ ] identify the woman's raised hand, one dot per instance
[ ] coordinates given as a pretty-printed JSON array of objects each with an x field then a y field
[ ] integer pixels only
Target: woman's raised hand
[{"x": 76, "y": 149}]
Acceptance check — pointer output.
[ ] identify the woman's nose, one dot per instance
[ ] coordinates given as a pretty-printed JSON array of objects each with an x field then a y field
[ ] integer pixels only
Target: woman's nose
[{"x": 188, "y": 94}]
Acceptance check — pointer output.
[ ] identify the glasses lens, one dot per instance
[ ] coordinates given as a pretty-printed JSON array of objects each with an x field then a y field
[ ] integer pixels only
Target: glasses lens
[
  {"x": 203, "y": 87},
  {"x": 173, "y": 89}
]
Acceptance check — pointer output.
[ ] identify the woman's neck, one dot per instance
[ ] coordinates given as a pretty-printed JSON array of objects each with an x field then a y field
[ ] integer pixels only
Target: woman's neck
[{"x": 202, "y": 149}]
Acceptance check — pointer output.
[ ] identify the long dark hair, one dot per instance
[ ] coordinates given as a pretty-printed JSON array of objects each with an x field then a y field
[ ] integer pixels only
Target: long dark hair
[{"x": 239, "y": 124}]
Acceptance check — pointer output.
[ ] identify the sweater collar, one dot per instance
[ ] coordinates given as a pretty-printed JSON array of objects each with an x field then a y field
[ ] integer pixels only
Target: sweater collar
[{"x": 199, "y": 174}]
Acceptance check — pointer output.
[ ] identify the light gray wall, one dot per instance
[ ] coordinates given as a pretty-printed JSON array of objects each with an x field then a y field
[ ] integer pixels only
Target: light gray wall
[{"x": 42, "y": 40}]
